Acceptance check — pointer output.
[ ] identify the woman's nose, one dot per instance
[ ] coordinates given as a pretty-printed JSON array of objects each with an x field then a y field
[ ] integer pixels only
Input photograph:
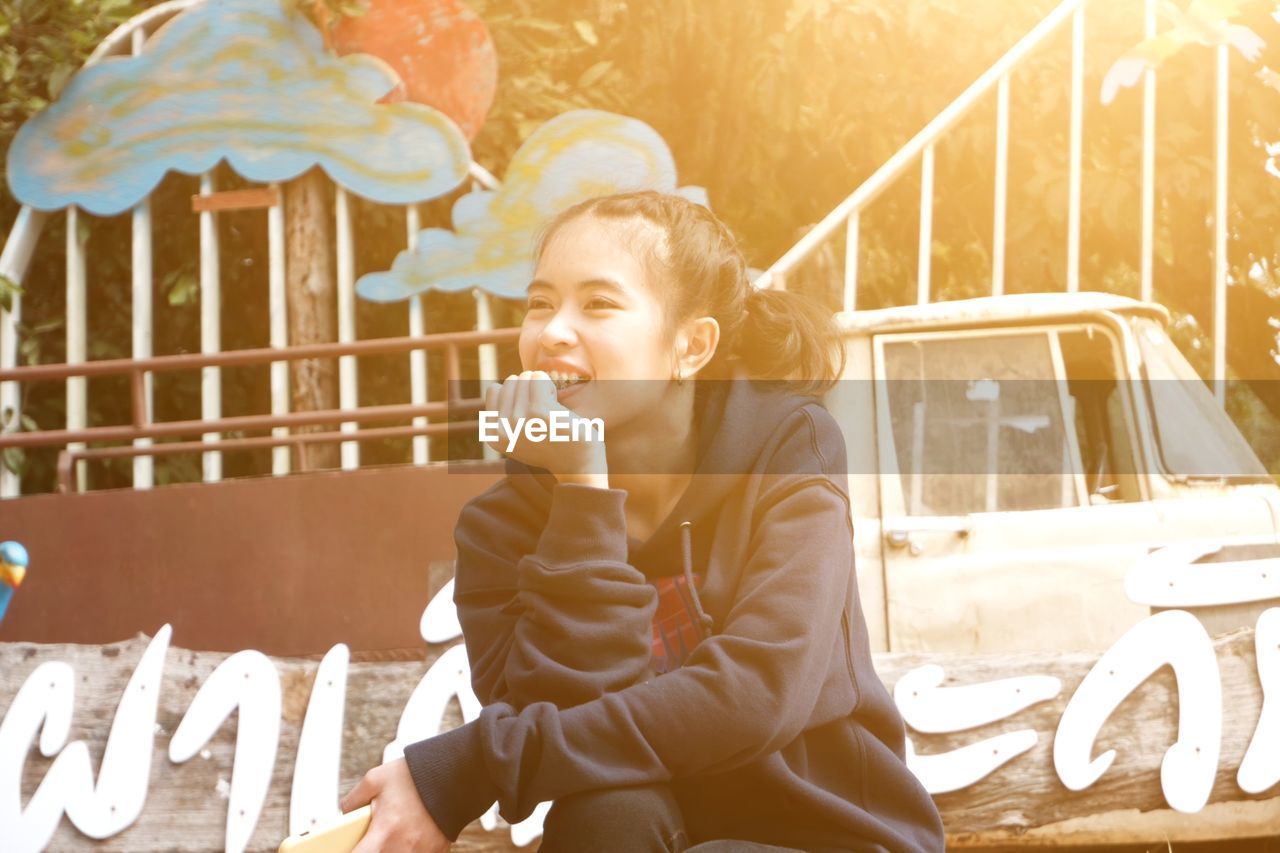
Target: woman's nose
[{"x": 558, "y": 329}]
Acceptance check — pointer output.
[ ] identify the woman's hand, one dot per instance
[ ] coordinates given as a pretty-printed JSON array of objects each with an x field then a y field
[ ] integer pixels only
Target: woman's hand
[
  {"x": 532, "y": 394},
  {"x": 400, "y": 821}
]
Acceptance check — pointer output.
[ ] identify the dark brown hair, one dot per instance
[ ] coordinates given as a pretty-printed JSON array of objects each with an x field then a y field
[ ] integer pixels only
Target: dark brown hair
[{"x": 698, "y": 270}]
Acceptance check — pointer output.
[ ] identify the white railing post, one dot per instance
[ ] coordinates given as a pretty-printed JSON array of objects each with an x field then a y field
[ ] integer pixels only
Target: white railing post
[
  {"x": 418, "y": 389},
  {"x": 1002, "y": 187},
  {"x": 348, "y": 396},
  {"x": 210, "y": 329},
  {"x": 14, "y": 261},
  {"x": 279, "y": 315},
  {"x": 1148, "y": 160},
  {"x": 487, "y": 353},
  {"x": 77, "y": 330},
  {"x": 925, "y": 248},
  {"x": 1077, "y": 122},
  {"x": 1220, "y": 233},
  {"x": 143, "y": 466},
  {"x": 851, "y": 264}
]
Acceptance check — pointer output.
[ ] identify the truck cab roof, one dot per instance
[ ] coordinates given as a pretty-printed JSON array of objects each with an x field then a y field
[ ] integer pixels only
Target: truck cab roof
[{"x": 1020, "y": 309}]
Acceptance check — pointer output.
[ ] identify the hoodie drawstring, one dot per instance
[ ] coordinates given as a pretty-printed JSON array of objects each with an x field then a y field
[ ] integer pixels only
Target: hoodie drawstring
[{"x": 686, "y": 542}]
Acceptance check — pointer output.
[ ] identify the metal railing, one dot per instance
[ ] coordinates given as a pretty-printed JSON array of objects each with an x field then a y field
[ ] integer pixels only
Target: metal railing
[
  {"x": 130, "y": 37},
  {"x": 997, "y": 80},
  {"x": 143, "y": 429}
]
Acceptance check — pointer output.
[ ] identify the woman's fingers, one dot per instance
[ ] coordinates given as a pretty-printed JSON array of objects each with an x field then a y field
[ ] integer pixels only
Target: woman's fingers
[
  {"x": 542, "y": 394},
  {"x": 506, "y": 396},
  {"x": 358, "y": 796},
  {"x": 524, "y": 397}
]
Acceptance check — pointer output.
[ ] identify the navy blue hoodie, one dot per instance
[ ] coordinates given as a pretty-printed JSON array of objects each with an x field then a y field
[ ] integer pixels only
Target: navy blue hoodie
[{"x": 776, "y": 727}]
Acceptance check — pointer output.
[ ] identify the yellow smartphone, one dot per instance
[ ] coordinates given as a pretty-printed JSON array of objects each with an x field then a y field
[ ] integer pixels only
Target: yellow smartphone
[{"x": 341, "y": 836}]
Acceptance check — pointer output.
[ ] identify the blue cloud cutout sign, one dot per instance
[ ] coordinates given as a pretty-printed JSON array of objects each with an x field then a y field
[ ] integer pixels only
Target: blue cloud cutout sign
[
  {"x": 575, "y": 156},
  {"x": 243, "y": 80}
]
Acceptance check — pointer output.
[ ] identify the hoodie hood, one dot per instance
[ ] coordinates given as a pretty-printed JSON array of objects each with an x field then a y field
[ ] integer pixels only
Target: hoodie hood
[{"x": 734, "y": 420}]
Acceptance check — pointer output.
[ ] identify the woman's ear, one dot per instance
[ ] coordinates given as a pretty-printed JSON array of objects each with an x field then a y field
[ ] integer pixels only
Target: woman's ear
[{"x": 697, "y": 344}]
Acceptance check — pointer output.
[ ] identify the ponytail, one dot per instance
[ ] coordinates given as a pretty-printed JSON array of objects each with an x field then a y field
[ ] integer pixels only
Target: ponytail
[
  {"x": 791, "y": 337},
  {"x": 698, "y": 270}
]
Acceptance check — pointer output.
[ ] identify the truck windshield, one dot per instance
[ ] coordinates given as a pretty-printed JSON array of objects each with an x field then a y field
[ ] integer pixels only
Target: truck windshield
[{"x": 1195, "y": 437}]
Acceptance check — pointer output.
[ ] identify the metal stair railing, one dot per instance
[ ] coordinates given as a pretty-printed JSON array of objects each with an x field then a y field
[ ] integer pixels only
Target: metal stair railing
[{"x": 846, "y": 215}]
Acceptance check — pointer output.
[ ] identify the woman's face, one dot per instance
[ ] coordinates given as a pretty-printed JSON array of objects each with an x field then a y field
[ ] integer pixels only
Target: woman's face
[{"x": 592, "y": 312}]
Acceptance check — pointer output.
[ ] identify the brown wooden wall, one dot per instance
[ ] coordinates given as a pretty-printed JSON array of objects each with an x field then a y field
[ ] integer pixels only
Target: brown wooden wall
[{"x": 285, "y": 565}]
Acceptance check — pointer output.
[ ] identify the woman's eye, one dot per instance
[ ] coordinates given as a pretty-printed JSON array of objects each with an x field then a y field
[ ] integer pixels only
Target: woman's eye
[
  {"x": 597, "y": 302},
  {"x": 537, "y": 302}
]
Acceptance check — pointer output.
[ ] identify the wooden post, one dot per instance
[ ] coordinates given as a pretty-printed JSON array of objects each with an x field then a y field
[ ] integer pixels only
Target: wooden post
[{"x": 312, "y": 297}]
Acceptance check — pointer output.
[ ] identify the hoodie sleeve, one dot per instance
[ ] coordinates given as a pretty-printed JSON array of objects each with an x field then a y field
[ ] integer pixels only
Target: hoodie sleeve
[
  {"x": 742, "y": 694},
  {"x": 554, "y": 617}
]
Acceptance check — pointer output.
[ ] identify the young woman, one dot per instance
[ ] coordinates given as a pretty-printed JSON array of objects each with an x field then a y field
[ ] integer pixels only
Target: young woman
[{"x": 664, "y": 626}]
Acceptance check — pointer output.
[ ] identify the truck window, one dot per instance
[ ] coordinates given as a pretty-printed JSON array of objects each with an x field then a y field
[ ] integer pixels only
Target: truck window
[
  {"x": 1102, "y": 417},
  {"x": 1194, "y": 436},
  {"x": 978, "y": 423}
]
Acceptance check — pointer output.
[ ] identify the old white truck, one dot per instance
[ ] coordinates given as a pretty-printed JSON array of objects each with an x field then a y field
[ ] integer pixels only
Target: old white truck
[{"x": 1014, "y": 458}]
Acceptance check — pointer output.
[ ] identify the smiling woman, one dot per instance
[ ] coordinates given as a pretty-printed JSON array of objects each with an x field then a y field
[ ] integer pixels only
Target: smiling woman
[{"x": 663, "y": 627}]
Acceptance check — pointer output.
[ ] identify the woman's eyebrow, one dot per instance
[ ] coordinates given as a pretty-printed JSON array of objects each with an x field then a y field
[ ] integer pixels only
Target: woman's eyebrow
[{"x": 591, "y": 283}]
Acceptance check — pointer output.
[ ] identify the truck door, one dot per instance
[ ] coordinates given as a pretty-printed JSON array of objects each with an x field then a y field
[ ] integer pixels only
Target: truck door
[{"x": 1013, "y": 488}]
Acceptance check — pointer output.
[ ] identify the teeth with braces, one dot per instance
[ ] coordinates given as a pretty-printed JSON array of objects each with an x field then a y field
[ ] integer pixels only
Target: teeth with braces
[{"x": 564, "y": 379}]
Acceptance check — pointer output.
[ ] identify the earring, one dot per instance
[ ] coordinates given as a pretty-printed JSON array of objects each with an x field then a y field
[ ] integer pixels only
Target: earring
[{"x": 680, "y": 378}]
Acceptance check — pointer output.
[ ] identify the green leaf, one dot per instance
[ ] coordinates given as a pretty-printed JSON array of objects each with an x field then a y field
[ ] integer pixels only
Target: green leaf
[
  {"x": 586, "y": 32},
  {"x": 8, "y": 290},
  {"x": 14, "y": 459},
  {"x": 58, "y": 78},
  {"x": 594, "y": 73},
  {"x": 185, "y": 290},
  {"x": 29, "y": 423}
]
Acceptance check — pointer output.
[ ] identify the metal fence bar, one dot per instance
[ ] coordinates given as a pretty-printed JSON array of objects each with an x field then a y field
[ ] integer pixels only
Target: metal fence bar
[
  {"x": 14, "y": 261},
  {"x": 1077, "y": 127},
  {"x": 66, "y": 458},
  {"x": 1220, "y": 233},
  {"x": 851, "y": 263},
  {"x": 487, "y": 353},
  {"x": 1002, "y": 187},
  {"x": 143, "y": 466},
  {"x": 238, "y": 423},
  {"x": 76, "y": 332},
  {"x": 1148, "y": 161},
  {"x": 242, "y": 357},
  {"x": 347, "y": 376},
  {"x": 926, "y": 226},
  {"x": 418, "y": 389},
  {"x": 210, "y": 330},
  {"x": 279, "y": 313}
]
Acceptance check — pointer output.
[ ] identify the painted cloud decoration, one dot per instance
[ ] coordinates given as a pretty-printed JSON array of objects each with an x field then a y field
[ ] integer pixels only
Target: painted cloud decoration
[
  {"x": 243, "y": 80},
  {"x": 575, "y": 156}
]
